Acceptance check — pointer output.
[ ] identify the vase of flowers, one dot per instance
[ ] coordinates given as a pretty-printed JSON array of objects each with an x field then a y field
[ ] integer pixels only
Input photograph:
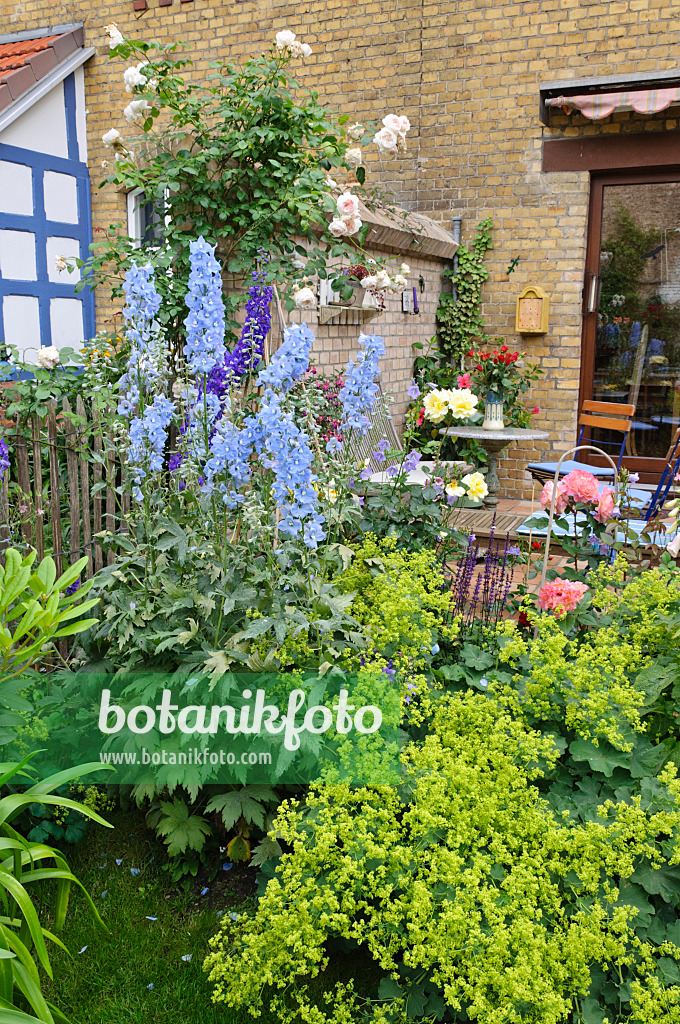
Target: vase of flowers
[{"x": 497, "y": 376}]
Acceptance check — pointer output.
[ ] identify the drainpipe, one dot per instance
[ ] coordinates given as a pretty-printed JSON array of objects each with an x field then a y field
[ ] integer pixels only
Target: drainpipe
[{"x": 457, "y": 221}]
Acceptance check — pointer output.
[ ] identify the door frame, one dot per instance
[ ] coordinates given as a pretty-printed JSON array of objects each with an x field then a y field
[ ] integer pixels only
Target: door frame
[{"x": 649, "y": 469}]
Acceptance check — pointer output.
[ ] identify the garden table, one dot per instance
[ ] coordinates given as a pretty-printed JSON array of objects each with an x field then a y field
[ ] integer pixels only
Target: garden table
[{"x": 493, "y": 442}]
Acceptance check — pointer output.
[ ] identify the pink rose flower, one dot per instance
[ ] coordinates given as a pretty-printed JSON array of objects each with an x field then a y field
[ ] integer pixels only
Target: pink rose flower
[
  {"x": 581, "y": 486},
  {"x": 605, "y": 506},
  {"x": 561, "y": 596},
  {"x": 560, "y": 500},
  {"x": 348, "y": 205},
  {"x": 464, "y": 380}
]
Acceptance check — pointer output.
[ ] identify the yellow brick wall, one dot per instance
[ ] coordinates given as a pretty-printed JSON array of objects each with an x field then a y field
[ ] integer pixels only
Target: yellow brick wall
[{"x": 466, "y": 73}]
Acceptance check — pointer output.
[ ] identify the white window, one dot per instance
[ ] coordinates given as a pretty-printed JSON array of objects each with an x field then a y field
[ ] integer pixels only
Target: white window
[{"x": 144, "y": 223}]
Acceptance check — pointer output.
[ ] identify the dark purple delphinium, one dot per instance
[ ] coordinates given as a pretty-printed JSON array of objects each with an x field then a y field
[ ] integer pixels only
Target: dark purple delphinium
[
  {"x": 249, "y": 349},
  {"x": 247, "y": 353},
  {"x": 4, "y": 458},
  {"x": 480, "y": 600},
  {"x": 73, "y": 588}
]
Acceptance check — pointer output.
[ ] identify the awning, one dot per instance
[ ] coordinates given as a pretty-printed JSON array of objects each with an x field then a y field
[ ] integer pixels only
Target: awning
[
  {"x": 595, "y": 107},
  {"x": 645, "y": 92}
]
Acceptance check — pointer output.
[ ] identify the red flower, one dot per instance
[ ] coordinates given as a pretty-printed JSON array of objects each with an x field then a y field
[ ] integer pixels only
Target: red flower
[
  {"x": 535, "y": 411},
  {"x": 470, "y": 354},
  {"x": 504, "y": 348},
  {"x": 523, "y": 619},
  {"x": 421, "y": 416},
  {"x": 478, "y": 366},
  {"x": 536, "y": 545}
]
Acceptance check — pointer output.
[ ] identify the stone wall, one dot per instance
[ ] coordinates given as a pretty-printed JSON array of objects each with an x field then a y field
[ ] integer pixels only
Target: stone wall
[{"x": 467, "y": 73}]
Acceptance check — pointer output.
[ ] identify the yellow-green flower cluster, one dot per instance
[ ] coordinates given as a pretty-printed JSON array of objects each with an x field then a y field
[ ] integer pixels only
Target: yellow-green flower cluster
[{"x": 473, "y": 883}]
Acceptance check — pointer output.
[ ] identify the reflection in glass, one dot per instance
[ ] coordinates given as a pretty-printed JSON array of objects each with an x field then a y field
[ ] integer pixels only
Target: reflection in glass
[{"x": 637, "y": 349}]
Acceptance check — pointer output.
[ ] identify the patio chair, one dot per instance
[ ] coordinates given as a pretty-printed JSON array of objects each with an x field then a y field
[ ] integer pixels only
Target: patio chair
[
  {"x": 614, "y": 416},
  {"x": 650, "y": 506}
]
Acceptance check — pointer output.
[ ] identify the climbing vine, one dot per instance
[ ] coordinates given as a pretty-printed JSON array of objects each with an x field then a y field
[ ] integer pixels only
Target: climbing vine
[{"x": 459, "y": 319}]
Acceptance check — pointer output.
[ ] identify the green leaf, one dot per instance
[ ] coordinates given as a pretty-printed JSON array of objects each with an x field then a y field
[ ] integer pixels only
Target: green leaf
[
  {"x": 604, "y": 758},
  {"x": 181, "y": 830}
]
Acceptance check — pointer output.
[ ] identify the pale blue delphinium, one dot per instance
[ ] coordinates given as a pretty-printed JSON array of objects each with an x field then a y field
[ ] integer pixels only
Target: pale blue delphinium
[
  {"x": 358, "y": 395},
  {"x": 204, "y": 348}
]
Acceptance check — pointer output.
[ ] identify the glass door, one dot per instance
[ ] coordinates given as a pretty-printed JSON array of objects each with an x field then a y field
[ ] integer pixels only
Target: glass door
[{"x": 631, "y": 350}]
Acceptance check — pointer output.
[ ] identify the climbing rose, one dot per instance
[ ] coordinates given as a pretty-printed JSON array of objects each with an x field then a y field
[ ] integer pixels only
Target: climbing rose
[{"x": 348, "y": 205}]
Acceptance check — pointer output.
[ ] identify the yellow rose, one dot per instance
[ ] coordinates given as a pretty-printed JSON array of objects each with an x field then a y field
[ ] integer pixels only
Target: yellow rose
[
  {"x": 462, "y": 403},
  {"x": 436, "y": 405},
  {"x": 455, "y": 490},
  {"x": 476, "y": 486}
]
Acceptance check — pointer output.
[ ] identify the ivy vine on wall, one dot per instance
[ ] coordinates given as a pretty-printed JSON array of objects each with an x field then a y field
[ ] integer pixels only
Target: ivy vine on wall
[{"x": 459, "y": 319}]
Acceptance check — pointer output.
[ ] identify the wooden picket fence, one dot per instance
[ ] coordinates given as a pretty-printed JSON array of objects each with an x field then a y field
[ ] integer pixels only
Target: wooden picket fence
[{"x": 82, "y": 472}]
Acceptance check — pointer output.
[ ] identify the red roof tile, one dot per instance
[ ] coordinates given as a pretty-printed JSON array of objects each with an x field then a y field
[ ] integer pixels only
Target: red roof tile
[
  {"x": 15, "y": 55},
  {"x": 24, "y": 63}
]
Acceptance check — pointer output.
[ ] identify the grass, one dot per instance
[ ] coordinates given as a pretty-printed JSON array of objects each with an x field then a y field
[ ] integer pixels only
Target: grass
[{"x": 134, "y": 971}]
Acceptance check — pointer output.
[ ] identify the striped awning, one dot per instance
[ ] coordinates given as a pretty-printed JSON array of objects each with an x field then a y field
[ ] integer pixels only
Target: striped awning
[{"x": 595, "y": 106}]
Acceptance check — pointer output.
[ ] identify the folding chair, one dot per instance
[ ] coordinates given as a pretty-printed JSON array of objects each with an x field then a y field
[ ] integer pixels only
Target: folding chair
[{"x": 605, "y": 416}]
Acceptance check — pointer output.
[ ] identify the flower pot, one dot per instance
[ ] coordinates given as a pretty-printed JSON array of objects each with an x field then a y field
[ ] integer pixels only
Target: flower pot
[{"x": 493, "y": 412}]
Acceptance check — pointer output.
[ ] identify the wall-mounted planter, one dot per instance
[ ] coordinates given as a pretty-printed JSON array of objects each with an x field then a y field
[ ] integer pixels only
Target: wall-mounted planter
[{"x": 347, "y": 314}]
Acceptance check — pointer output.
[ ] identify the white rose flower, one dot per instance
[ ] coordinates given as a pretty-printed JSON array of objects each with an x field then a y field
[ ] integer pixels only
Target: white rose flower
[
  {"x": 133, "y": 78},
  {"x": 386, "y": 141},
  {"x": 404, "y": 125},
  {"x": 306, "y": 50},
  {"x": 330, "y": 183},
  {"x": 348, "y": 205},
  {"x": 370, "y": 281},
  {"x": 337, "y": 227},
  {"x": 405, "y": 269},
  {"x": 305, "y": 299},
  {"x": 400, "y": 281},
  {"x": 382, "y": 279},
  {"x": 284, "y": 39},
  {"x": 355, "y": 131},
  {"x": 455, "y": 490},
  {"x": 111, "y": 137},
  {"x": 113, "y": 32},
  {"x": 353, "y": 224},
  {"x": 136, "y": 110},
  {"x": 353, "y": 157},
  {"x": 393, "y": 123},
  {"x": 48, "y": 357},
  {"x": 60, "y": 263}
]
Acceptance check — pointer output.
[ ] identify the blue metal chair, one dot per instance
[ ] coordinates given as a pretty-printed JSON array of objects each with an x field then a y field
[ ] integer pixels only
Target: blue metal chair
[{"x": 604, "y": 416}]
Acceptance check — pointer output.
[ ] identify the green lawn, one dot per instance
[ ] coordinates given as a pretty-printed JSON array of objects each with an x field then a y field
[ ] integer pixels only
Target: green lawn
[{"x": 134, "y": 972}]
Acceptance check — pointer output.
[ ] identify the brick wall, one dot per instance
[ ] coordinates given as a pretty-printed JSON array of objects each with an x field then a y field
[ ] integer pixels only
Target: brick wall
[{"x": 466, "y": 73}]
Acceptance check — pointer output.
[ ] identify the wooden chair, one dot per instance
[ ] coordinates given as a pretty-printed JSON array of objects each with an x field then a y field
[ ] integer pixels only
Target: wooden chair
[{"x": 616, "y": 416}]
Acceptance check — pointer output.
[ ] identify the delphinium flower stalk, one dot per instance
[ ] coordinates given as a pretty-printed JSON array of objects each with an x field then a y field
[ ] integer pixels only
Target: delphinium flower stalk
[
  {"x": 249, "y": 350},
  {"x": 142, "y": 303},
  {"x": 4, "y": 458},
  {"x": 204, "y": 347},
  {"x": 360, "y": 391}
]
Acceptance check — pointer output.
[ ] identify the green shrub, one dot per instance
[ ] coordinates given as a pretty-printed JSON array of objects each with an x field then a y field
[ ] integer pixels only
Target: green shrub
[{"x": 474, "y": 897}]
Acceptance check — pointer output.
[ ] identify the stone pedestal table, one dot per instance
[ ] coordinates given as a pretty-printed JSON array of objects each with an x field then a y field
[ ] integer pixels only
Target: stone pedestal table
[{"x": 493, "y": 442}]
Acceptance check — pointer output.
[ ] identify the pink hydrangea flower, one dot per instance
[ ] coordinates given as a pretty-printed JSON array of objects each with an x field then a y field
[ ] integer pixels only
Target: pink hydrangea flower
[
  {"x": 605, "y": 505},
  {"x": 560, "y": 500},
  {"x": 582, "y": 487},
  {"x": 561, "y": 596}
]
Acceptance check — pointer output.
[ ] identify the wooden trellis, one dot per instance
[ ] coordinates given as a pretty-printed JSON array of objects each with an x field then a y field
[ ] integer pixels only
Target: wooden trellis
[{"x": 68, "y": 508}]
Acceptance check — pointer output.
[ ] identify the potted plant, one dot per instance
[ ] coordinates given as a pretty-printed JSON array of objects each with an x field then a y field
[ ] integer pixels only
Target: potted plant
[{"x": 500, "y": 377}]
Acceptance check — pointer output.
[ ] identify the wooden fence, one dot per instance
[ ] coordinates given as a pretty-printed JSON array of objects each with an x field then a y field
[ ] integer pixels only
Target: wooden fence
[{"x": 64, "y": 474}]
